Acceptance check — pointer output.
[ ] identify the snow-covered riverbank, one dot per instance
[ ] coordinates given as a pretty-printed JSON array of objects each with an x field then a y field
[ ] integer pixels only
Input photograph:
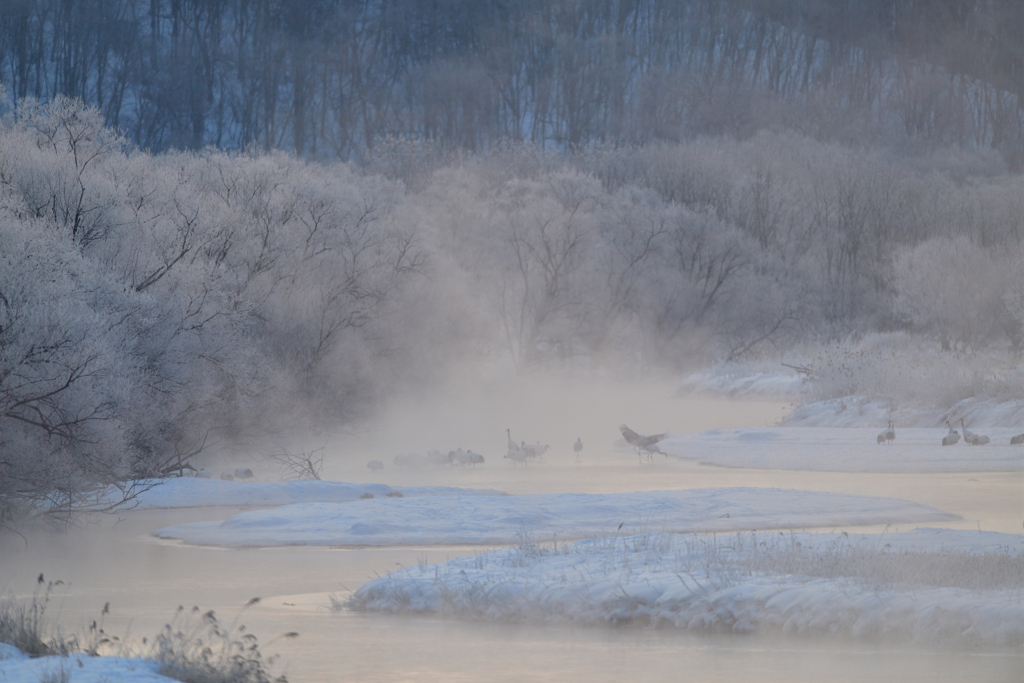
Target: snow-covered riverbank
[
  {"x": 831, "y": 449},
  {"x": 17, "y": 667}
]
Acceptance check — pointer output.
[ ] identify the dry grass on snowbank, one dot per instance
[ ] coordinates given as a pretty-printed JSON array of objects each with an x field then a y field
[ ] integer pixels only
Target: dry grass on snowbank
[
  {"x": 195, "y": 647},
  {"x": 732, "y": 557}
]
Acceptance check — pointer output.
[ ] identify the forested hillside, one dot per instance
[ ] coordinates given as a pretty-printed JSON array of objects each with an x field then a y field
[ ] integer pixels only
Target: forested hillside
[{"x": 328, "y": 79}]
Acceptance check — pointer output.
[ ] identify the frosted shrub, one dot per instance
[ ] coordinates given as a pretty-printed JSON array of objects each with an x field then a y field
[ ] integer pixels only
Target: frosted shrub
[
  {"x": 1014, "y": 296},
  {"x": 955, "y": 290},
  {"x": 194, "y": 647},
  {"x": 298, "y": 466},
  {"x": 905, "y": 369}
]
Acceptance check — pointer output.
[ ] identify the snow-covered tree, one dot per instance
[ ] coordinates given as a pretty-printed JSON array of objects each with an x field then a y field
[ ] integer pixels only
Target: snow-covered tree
[{"x": 954, "y": 289}]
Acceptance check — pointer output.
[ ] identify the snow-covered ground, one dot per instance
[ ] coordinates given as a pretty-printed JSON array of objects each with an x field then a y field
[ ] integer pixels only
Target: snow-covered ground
[
  {"x": 929, "y": 586},
  {"x": 17, "y": 667},
  {"x": 847, "y": 450},
  {"x": 744, "y": 382},
  {"x": 194, "y": 492},
  {"x": 858, "y": 411},
  {"x": 504, "y": 519}
]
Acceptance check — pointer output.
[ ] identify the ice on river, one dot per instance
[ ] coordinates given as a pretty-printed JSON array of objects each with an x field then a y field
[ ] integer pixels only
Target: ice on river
[
  {"x": 827, "y": 449},
  {"x": 193, "y": 492},
  {"x": 929, "y": 586},
  {"x": 504, "y": 519}
]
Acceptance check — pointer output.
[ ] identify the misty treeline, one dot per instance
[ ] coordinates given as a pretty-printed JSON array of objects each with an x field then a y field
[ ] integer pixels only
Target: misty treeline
[
  {"x": 328, "y": 79},
  {"x": 156, "y": 307}
]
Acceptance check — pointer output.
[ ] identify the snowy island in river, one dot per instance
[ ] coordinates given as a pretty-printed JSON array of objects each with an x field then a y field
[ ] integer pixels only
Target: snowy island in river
[
  {"x": 928, "y": 586},
  {"x": 452, "y": 519}
]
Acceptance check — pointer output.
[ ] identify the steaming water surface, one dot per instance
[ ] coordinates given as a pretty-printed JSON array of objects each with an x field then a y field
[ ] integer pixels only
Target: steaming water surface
[{"x": 144, "y": 580}]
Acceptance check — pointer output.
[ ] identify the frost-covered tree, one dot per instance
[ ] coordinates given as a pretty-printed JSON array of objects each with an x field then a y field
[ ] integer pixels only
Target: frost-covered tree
[
  {"x": 956, "y": 290},
  {"x": 544, "y": 232},
  {"x": 1014, "y": 301},
  {"x": 69, "y": 377},
  {"x": 156, "y": 307},
  {"x": 151, "y": 307}
]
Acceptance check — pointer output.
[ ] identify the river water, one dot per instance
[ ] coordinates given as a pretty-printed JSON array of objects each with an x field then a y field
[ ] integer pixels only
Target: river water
[{"x": 116, "y": 560}]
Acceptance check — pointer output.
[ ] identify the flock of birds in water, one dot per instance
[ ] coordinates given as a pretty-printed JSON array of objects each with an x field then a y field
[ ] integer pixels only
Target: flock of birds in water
[
  {"x": 952, "y": 436},
  {"x": 520, "y": 453}
]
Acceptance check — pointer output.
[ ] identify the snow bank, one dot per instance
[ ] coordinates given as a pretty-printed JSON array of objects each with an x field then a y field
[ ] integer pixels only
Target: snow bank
[
  {"x": 189, "y": 492},
  {"x": 858, "y": 411},
  {"x": 17, "y": 667},
  {"x": 11, "y": 652},
  {"x": 713, "y": 584},
  {"x": 487, "y": 520},
  {"x": 922, "y": 386},
  {"x": 740, "y": 382},
  {"x": 846, "y": 450}
]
